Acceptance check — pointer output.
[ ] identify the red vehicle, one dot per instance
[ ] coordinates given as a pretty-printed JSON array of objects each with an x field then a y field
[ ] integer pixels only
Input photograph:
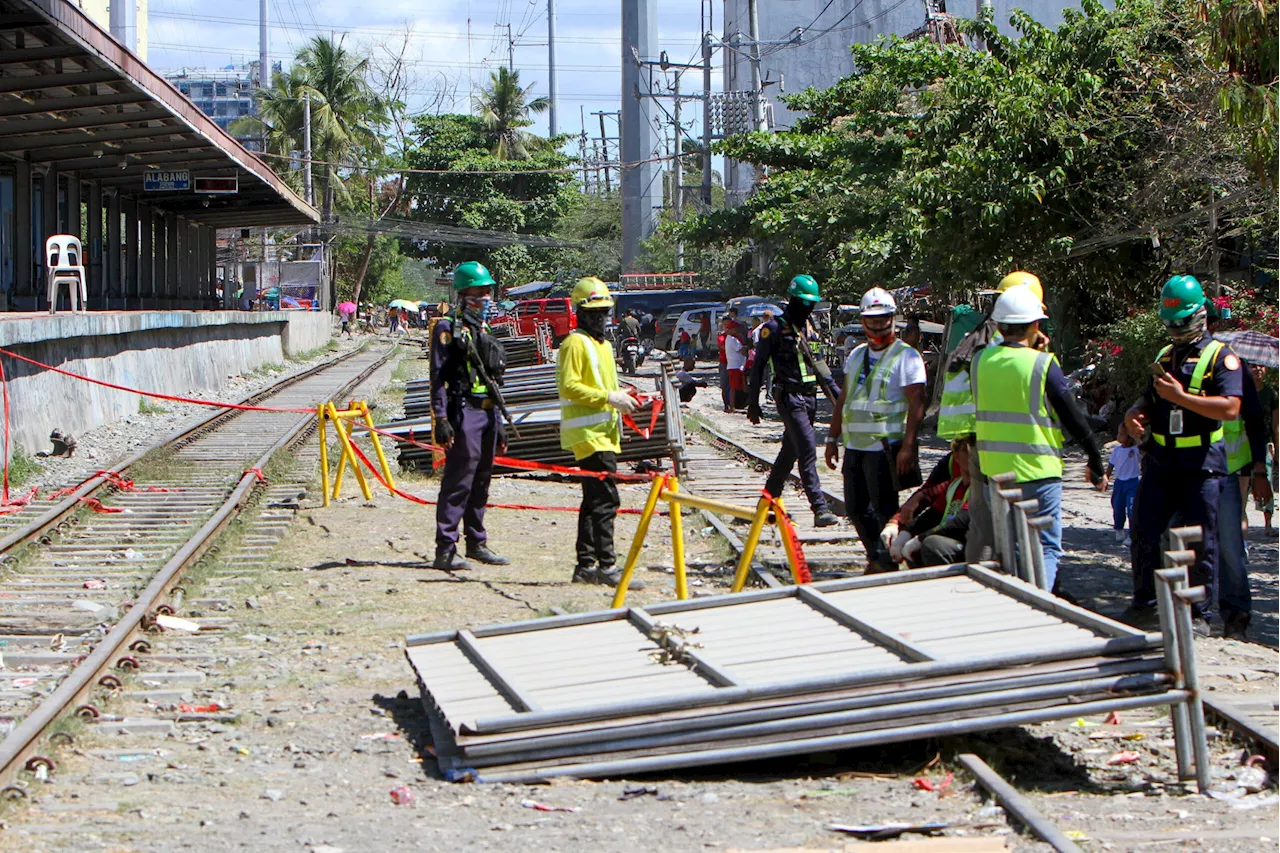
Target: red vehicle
[{"x": 554, "y": 311}]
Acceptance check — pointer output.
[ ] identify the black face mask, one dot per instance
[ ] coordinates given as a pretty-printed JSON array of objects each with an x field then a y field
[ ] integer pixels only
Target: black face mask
[
  {"x": 593, "y": 321},
  {"x": 798, "y": 311}
]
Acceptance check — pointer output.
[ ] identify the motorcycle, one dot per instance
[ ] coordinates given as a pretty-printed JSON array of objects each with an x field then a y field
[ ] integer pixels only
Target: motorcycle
[{"x": 632, "y": 356}]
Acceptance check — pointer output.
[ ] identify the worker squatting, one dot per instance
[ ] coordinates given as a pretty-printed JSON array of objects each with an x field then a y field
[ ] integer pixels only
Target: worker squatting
[{"x": 1004, "y": 408}]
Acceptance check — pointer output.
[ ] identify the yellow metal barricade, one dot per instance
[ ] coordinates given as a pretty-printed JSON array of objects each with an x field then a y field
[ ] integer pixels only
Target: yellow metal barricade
[
  {"x": 356, "y": 410},
  {"x": 768, "y": 510}
]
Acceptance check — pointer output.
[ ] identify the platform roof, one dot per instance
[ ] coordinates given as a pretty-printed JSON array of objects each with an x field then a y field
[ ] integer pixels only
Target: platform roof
[{"x": 73, "y": 97}]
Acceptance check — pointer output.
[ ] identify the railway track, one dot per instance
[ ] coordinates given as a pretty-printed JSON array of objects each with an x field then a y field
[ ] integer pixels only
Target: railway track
[{"x": 82, "y": 587}]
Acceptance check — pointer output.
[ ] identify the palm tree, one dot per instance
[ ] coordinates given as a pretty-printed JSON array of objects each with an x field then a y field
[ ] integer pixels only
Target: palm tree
[{"x": 504, "y": 107}]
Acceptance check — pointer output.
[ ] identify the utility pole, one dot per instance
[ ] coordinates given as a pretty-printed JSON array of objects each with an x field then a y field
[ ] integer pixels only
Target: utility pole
[
  {"x": 511, "y": 50},
  {"x": 641, "y": 190},
  {"x": 264, "y": 70},
  {"x": 551, "y": 65},
  {"x": 757, "y": 91},
  {"x": 1215, "y": 253},
  {"x": 706, "y": 118},
  {"x": 306, "y": 147},
  {"x": 677, "y": 169},
  {"x": 582, "y": 146},
  {"x": 604, "y": 148}
]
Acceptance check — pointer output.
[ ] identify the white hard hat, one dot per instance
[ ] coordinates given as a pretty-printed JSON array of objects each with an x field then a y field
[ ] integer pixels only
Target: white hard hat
[
  {"x": 877, "y": 302},
  {"x": 1018, "y": 306}
]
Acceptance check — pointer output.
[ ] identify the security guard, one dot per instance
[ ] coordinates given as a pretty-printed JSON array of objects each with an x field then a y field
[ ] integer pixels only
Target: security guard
[
  {"x": 957, "y": 415},
  {"x": 465, "y": 421},
  {"x": 590, "y": 427},
  {"x": 877, "y": 416},
  {"x": 1022, "y": 404},
  {"x": 795, "y": 391},
  {"x": 1197, "y": 384},
  {"x": 1245, "y": 440}
]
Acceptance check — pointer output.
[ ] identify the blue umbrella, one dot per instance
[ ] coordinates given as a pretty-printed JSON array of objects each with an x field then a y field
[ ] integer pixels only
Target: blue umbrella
[{"x": 758, "y": 309}]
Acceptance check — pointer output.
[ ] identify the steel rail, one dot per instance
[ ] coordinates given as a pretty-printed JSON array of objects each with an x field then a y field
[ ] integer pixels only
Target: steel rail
[
  {"x": 1017, "y": 805},
  {"x": 22, "y": 741},
  {"x": 56, "y": 513}
]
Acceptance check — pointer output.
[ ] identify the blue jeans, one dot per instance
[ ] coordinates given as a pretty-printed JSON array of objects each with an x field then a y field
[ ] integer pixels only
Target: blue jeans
[
  {"x": 1122, "y": 494},
  {"x": 1234, "y": 598},
  {"x": 1049, "y": 493}
]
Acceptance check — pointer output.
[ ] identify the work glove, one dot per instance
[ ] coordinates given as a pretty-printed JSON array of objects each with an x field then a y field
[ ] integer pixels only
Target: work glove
[
  {"x": 911, "y": 551},
  {"x": 502, "y": 437},
  {"x": 443, "y": 433},
  {"x": 753, "y": 412},
  {"x": 889, "y": 534},
  {"x": 623, "y": 402},
  {"x": 896, "y": 550}
]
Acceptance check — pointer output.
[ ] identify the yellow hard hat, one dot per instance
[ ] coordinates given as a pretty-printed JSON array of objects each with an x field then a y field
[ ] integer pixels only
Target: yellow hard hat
[
  {"x": 591, "y": 292},
  {"x": 1023, "y": 279}
]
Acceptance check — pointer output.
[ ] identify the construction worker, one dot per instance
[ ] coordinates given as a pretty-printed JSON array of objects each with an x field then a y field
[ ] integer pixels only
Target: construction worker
[
  {"x": 464, "y": 419},
  {"x": 957, "y": 415},
  {"x": 1197, "y": 384},
  {"x": 1022, "y": 403},
  {"x": 1245, "y": 441},
  {"x": 590, "y": 426},
  {"x": 795, "y": 388},
  {"x": 877, "y": 418}
]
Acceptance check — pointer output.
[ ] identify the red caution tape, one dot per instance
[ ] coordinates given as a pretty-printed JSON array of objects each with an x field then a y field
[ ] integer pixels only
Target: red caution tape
[
  {"x": 97, "y": 506},
  {"x": 257, "y": 472},
  {"x": 653, "y": 417}
]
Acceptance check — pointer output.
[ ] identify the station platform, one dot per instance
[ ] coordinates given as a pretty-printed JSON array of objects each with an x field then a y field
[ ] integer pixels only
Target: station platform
[{"x": 170, "y": 352}]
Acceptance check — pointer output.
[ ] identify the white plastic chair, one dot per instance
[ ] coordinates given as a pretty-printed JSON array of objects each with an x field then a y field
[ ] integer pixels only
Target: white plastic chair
[{"x": 64, "y": 265}]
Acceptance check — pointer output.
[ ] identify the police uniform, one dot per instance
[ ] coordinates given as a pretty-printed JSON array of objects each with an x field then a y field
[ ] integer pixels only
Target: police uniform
[
  {"x": 459, "y": 395},
  {"x": 1184, "y": 468},
  {"x": 795, "y": 389}
]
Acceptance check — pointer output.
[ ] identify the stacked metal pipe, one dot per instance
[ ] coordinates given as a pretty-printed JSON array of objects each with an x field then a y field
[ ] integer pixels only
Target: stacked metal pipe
[
  {"x": 531, "y": 397},
  {"x": 521, "y": 351}
]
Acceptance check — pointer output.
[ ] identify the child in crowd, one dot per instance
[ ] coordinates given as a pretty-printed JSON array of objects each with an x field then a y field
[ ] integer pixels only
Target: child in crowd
[{"x": 1124, "y": 468}]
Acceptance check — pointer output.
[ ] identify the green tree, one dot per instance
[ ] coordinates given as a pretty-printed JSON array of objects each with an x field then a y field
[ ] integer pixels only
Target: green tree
[
  {"x": 1243, "y": 38},
  {"x": 1058, "y": 151},
  {"x": 504, "y": 108}
]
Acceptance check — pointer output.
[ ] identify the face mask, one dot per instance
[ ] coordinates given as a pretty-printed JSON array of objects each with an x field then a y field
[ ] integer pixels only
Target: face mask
[
  {"x": 474, "y": 309},
  {"x": 1195, "y": 328},
  {"x": 593, "y": 321},
  {"x": 798, "y": 310},
  {"x": 879, "y": 339}
]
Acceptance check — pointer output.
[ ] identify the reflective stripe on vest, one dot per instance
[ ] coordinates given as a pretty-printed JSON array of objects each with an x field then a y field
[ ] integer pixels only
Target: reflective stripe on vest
[
  {"x": 1016, "y": 430},
  {"x": 956, "y": 411},
  {"x": 869, "y": 415},
  {"x": 478, "y": 388},
  {"x": 1239, "y": 454},
  {"x": 576, "y": 420},
  {"x": 1208, "y": 356},
  {"x": 954, "y": 504},
  {"x": 806, "y": 375}
]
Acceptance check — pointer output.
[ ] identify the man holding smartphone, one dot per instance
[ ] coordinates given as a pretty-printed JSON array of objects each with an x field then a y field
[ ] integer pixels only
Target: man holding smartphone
[{"x": 1196, "y": 384}]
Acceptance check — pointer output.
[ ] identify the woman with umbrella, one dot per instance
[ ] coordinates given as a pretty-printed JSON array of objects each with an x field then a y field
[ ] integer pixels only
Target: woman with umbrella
[{"x": 346, "y": 311}]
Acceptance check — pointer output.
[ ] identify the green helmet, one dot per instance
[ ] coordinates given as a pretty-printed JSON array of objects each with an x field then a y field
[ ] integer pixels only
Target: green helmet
[
  {"x": 1181, "y": 297},
  {"x": 472, "y": 274},
  {"x": 804, "y": 287}
]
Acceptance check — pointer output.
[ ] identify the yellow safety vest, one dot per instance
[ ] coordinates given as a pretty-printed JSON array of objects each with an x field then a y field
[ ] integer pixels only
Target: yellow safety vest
[
  {"x": 1208, "y": 356},
  {"x": 957, "y": 415},
  {"x": 1017, "y": 431},
  {"x": 869, "y": 415},
  {"x": 587, "y": 429},
  {"x": 1239, "y": 454}
]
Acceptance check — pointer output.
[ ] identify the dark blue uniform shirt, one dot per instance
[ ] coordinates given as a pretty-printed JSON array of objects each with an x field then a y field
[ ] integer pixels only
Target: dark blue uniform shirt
[
  {"x": 778, "y": 343},
  {"x": 450, "y": 369},
  {"x": 1225, "y": 378}
]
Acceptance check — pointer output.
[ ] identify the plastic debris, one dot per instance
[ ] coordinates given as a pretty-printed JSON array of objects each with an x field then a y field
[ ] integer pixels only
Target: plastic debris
[
  {"x": 1112, "y": 719},
  {"x": 1082, "y": 723},
  {"x": 1076, "y": 834},
  {"x": 200, "y": 709},
  {"x": 95, "y": 583},
  {"x": 1252, "y": 776},
  {"x": 381, "y": 736},
  {"x": 883, "y": 831},
  {"x": 1125, "y": 757},
  {"x": 639, "y": 791},
  {"x": 23, "y": 682},
  {"x": 924, "y": 784},
  {"x": 543, "y": 807},
  {"x": 402, "y": 796},
  {"x": 88, "y": 606}
]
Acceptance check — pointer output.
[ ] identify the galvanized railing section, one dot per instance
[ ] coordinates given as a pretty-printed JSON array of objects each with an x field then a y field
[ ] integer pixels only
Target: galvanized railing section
[
  {"x": 206, "y": 499},
  {"x": 555, "y": 686}
]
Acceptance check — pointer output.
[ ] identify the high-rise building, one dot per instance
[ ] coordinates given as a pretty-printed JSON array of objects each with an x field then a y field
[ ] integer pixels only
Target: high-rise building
[
  {"x": 100, "y": 12},
  {"x": 224, "y": 94}
]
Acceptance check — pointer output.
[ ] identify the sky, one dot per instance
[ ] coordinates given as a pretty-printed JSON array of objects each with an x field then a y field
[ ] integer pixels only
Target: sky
[{"x": 443, "y": 58}]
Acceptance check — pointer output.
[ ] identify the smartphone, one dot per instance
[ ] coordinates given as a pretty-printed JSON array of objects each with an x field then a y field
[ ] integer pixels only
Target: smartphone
[{"x": 1158, "y": 371}]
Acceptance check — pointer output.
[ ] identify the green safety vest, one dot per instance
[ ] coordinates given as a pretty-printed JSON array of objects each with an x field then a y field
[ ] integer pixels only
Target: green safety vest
[
  {"x": 1016, "y": 429},
  {"x": 1208, "y": 356},
  {"x": 957, "y": 415},
  {"x": 478, "y": 388},
  {"x": 579, "y": 423},
  {"x": 955, "y": 503},
  {"x": 869, "y": 415},
  {"x": 806, "y": 375},
  {"x": 1238, "y": 452}
]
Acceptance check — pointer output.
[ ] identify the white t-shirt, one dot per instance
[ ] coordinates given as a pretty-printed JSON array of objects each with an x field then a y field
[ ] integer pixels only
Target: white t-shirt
[
  {"x": 734, "y": 352},
  {"x": 909, "y": 370},
  {"x": 1127, "y": 461}
]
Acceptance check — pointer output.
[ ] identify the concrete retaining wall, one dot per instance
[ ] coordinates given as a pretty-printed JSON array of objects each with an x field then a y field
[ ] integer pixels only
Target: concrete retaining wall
[{"x": 170, "y": 352}]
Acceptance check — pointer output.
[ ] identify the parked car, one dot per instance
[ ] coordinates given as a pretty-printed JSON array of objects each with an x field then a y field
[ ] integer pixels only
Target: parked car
[
  {"x": 691, "y": 321},
  {"x": 554, "y": 310},
  {"x": 664, "y": 326}
]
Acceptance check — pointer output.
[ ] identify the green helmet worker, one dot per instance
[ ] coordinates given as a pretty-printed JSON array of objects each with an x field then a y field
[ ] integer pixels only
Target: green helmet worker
[
  {"x": 784, "y": 345},
  {"x": 464, "y": 420},
  {"x": 1197, "y": 384},
  {"x": 591, "y": 403}
]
